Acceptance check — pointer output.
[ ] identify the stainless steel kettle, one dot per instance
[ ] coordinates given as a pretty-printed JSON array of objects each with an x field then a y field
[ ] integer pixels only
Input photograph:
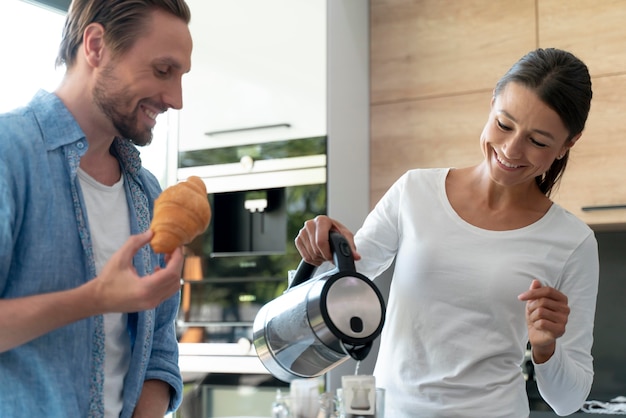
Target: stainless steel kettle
[{"x": 319, "y": 322}]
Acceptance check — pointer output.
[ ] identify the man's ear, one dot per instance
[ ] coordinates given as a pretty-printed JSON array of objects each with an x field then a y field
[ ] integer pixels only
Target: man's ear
[{"x": 93, "y": 44}]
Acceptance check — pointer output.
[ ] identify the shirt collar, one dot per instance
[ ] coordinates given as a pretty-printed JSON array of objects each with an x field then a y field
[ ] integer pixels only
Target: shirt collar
[
  {"x": 57, "y": 123},
  {"x": 60, "y": 128},
  {"x": 128, "y": 155}
]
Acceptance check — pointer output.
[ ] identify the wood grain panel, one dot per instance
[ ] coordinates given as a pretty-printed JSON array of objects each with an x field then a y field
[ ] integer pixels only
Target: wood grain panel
[
  {"x": 425, "y": 48},
  {"x": 434, "y": 63},
  {"x": 437, "y": 132},
  {"x": 593, "y": 30},
  {"x": 595, "y": 174}
]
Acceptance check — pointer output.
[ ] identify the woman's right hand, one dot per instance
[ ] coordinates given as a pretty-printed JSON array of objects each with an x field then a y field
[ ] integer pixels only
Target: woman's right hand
[{"x": 313, "y": 240}]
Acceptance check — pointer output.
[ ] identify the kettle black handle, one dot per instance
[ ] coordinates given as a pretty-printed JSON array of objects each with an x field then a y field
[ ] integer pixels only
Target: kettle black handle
[{"x": 342, "y": 256}]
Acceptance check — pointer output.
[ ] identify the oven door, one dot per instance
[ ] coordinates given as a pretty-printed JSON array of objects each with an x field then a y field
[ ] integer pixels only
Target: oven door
[
  {"x": 260, "y": 196},
  {"x": 241, "y": 263},
  {"x": 220, "y": 395}
]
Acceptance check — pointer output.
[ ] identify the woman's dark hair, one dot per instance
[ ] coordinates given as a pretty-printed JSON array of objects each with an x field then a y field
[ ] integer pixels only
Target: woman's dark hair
[
  {"x": 123, "y": 21},
  {"x": 563, "y": 83}
]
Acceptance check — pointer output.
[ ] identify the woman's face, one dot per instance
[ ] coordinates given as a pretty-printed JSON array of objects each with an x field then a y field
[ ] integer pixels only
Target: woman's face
[{"x": 522, "y": 137}]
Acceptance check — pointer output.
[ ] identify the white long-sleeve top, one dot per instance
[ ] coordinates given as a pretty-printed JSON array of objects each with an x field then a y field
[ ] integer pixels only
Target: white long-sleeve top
[{"x": 455, "y": 333}]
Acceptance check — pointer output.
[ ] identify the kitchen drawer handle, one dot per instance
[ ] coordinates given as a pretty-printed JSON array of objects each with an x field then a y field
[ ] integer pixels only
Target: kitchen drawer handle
[
  {"x": 250, "y": 128},
  {"x": 602, "y": 207}
]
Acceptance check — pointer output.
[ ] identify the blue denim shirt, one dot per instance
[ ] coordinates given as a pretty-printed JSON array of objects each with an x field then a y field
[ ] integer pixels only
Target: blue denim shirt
[{"x": 45, "y": 247}]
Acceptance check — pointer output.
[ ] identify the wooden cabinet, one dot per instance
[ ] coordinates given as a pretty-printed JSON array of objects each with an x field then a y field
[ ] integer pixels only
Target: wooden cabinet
[
  {"x": 258, "y": 73},
  {"x": 433, "y": 67},
  {"x": 436, "y": 132},
  {"x": 427, "y": 48},
  {"x": 596, "y": 173},
  {"x": 593, "y": 30}
]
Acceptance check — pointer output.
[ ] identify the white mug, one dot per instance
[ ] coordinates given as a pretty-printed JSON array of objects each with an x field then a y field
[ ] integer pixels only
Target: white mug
[
  {"x": 379, "y": 407},
  {"x": 304, "y": 394}
]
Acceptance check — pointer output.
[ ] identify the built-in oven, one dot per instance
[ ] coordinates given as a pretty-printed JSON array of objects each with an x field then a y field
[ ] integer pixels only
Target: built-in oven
[
  {"x": 231, "y": 395},
  {"x": 260, "y": 195}
]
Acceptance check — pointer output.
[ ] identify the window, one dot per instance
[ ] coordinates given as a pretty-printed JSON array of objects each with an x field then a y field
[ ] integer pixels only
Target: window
[{"x": 30, "y": 40}]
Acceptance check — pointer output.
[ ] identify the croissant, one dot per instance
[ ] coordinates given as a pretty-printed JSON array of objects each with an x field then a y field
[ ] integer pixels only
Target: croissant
[{"x": 181, "y": 213}]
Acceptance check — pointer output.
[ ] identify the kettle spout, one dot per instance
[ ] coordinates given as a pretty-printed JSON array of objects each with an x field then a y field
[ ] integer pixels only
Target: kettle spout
[{"x": 357, "y": 352}]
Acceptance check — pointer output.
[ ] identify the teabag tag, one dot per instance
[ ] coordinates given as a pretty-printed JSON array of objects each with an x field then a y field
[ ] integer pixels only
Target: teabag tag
[{"x": 359, "y": 394}]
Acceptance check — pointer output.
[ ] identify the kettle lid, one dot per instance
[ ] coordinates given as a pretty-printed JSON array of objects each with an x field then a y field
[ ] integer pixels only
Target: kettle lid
[{"x": 353, "y": 306}]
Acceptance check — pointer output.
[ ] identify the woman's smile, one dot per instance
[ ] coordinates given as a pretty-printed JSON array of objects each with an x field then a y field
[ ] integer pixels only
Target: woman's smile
[{"x": 503, "y": 163}]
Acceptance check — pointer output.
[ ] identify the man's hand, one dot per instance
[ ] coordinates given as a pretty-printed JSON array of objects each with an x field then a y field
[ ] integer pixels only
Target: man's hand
[{"x": 120, "y": 289}]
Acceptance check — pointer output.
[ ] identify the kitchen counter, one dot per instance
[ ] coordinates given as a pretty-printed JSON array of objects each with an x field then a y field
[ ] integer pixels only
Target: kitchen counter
[{"x": 197, "y": 359}]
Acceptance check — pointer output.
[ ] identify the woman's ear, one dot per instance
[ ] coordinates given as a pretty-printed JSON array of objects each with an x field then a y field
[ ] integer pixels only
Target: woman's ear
[
  {"x": 571, "y": 143},
  {"x": 93, "y": 44},
  {"x": 568, "y": 145}
]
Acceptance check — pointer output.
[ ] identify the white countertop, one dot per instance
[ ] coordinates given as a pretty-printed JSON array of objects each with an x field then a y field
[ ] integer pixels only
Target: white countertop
[{"x": 197, "y": 359}]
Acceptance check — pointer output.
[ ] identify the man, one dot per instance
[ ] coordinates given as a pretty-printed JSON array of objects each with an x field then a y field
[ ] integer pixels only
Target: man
[{"x": 87, "y": 309}]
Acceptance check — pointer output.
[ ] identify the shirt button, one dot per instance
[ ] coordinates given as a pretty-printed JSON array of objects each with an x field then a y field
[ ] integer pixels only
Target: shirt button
[{"x": 80, "y": 145}]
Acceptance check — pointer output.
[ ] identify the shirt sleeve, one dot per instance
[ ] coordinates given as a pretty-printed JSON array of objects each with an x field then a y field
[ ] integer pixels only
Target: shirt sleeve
[
  {"x": 564, "y": 381},
  {"x": 7, "y": 215},
  {"x": 163, "y": 363},
  {"x": 378, "y": 239}
]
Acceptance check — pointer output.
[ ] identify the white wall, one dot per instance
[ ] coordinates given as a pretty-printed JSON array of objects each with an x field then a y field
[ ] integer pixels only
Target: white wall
[
  {"x": 30, "y": 40},
  {"x": 348, "y": 111},
  {"x": 349, "y": 136}
]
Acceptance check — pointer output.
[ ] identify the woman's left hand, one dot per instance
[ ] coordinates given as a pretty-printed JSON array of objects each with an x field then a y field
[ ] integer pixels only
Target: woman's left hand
[{"x": 546, "y": 317}]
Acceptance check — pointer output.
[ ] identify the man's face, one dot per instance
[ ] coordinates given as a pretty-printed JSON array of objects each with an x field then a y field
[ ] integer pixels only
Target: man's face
[{"x": 137, "y": 86}]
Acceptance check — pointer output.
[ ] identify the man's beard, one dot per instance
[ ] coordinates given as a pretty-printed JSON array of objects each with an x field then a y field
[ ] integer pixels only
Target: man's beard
[{"x": 111, "y": 102}]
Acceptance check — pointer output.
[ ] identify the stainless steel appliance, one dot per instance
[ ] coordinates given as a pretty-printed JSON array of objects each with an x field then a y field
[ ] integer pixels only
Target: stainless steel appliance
[
  {"x": 231, "y": 395},
  {"x": 320, "y": 322},
  {"x": 260, "y": 195}
]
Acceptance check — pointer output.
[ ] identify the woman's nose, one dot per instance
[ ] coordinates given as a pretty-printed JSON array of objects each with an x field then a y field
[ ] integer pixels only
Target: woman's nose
[{"x": 513, "y": 147}]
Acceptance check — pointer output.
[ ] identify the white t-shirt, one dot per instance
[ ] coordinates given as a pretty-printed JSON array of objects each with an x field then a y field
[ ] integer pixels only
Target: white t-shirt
[
  {"x": 455, "y": 333},
  {"x": 109, "y": 224}
]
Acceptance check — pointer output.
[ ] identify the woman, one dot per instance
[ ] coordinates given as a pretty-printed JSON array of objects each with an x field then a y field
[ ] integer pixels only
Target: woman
[{"x": 485, "y": 261}]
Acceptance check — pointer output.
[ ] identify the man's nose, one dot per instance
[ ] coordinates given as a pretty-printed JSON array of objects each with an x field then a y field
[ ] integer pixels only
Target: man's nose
[{"x": 173, "y": 97}]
